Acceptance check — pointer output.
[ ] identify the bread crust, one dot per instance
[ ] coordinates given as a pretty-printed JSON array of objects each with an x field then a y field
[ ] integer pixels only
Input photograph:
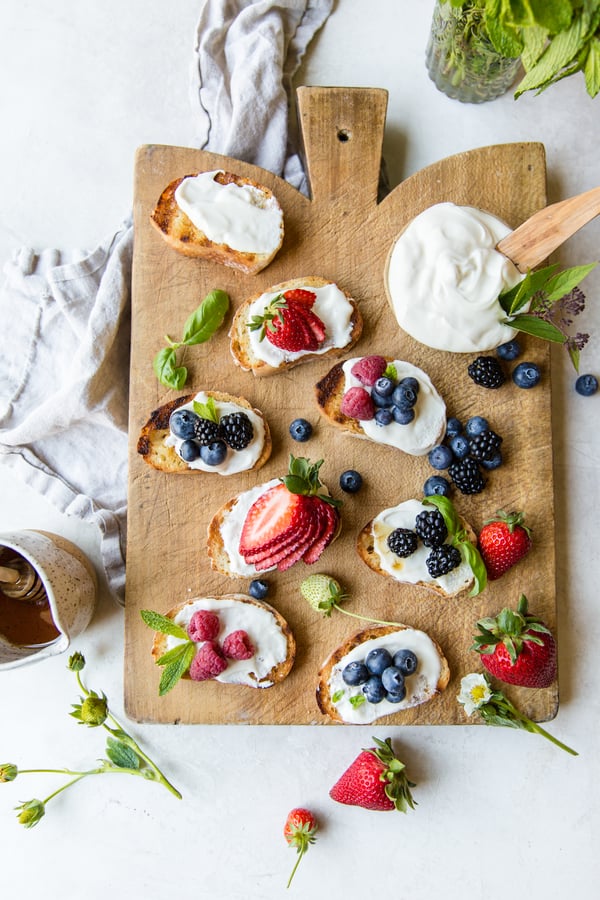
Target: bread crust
[
  {"x": 366, "y": 550},
  {"x": 240, "y": 346},
  {"x": 277, "y": 674},
  {"x": 151, "y": 442},
  {"x": 374, "y": 631},
  {"x": 180, "y": 233}
]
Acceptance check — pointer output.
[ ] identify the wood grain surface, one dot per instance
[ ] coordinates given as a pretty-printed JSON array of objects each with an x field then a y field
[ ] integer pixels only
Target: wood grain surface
[{"x": 344, "y": 234}]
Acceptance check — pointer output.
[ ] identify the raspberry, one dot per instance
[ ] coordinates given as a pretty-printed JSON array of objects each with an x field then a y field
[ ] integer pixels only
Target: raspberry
[
  {"x": 238, "y": 645},
  {"x": 207, "y": 663},
  {"x": 369, "y": 369},
  {"x": 357, "y": 404},
  {"x": 204, "y": 625},
  {"x": 300, "y": 295}
]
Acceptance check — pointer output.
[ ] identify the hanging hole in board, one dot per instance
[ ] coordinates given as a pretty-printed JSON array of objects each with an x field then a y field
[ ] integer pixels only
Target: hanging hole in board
[{"x": 344, "y": 135}]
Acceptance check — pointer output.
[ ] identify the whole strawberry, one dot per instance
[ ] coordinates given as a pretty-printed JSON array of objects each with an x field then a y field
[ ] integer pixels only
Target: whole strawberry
[
  {"x": 503, "y": 541},
  {"x": 517, "y": 647},
  {"x": 375, "y": 780},
  {"x": 300, "y": 831}
]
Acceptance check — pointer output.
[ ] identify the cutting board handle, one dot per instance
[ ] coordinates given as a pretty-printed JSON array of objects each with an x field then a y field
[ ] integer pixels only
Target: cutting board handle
[{"x": 342, "y": 134}]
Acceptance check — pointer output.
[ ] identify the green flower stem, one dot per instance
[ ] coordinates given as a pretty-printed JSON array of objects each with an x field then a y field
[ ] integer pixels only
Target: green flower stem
[
  {"x": 537, "y": 729},
  {"x": 119, "y": 733},
  {"x": 300, "y": 855},
  {"x": 79, "y": 776},
  {"x": 363, "y": 618}
]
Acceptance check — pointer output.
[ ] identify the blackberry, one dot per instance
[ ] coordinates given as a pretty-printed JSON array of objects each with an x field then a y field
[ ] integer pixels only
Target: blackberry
[
  {"x": 431, "y": 528},
  {"x": 236, "y": 430},
  {"x": 206, "y": 431},
  {"x": 466, "y": 476},
  {"x": 442, "y": 560},
  {"x": 402, "y": 542},
  {"x": 484, "y": 445},
  {"x": 487, "y": 372}
]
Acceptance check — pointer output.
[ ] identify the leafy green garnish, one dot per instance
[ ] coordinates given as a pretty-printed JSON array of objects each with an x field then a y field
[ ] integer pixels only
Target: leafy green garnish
[
  {"x": 198, "y": 328},
  {"x": 390, "y": 372},
  {"x": 207, "y": 410},
  {"x": 337, "y": 696},
  {"x": 358, "y": 700},
  {"x": 178, "y": 659},
  {"x": 552, "y": 299},
  {"x": 459, "y": 539}
]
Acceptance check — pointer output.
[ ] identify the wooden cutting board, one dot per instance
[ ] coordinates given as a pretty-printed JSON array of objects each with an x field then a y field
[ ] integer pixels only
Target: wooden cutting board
[{"x": 341, "y": 233}]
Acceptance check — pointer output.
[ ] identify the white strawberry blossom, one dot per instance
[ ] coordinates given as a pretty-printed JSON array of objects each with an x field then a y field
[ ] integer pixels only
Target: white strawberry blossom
[{"x": 474, "y": 692}]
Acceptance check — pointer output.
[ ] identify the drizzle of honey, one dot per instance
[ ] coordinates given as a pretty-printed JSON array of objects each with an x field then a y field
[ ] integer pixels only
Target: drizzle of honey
[{"x": 24, "y": 623}]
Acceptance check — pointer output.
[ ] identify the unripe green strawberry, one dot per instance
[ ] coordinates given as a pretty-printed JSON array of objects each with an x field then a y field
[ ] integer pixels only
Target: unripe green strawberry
[{"x": 322, "y": 592}]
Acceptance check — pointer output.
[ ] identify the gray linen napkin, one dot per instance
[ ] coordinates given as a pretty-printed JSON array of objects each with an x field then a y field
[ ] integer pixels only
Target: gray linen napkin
[{"x": 64, "y": 373}]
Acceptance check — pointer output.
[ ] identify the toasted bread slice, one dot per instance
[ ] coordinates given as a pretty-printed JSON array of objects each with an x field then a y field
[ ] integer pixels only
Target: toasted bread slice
[
  {"x": 154, "y": 440},
  {"x": 371, "y": 544},
  {"x": 430, "y": 677},
  {"x": 337, "y": 310},
  {"x": 180, "y": 232},
  {"x": 269, "y": 632},
  {"x": 416, "y": 438},
  {"x": 225, "y": 528}
]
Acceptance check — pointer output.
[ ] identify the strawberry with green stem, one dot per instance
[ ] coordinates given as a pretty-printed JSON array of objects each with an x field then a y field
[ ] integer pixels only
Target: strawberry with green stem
[
  {"x": 325, "y": 594},
  {"x": 516, "y": 647},
  {"x": 503, "y": 541},
  {"x": 376, "y": 780},
  {"x": 300, "y": 831}
]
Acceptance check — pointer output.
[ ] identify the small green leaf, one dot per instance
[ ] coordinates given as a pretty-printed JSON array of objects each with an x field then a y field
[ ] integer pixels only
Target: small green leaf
[
  {"x": 563, "y": 283},
  {"x": 471, "y": 555},
  {"x": 175, "y": 670},
  {"x": 121, "y": 755},
  {"x": 207, "y": 410},
  {"x": 205, "y": 320},
  {"x": 358, "y": 700},
  {"x": 174, "y": 654},
  {"x": 166, "y": 370},
  {"x": 337, "y": 696},
  {"x": 537, "y": 327},
  {"x": 161, "y": 623},
  {"x": 391, "y": 372}
]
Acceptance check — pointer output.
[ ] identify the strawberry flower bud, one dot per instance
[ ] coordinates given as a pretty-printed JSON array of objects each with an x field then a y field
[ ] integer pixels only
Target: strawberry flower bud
[
  {"x": 8, "y": 772},
  {"x": 30, "y": 812},
  {"x": 76, "y": 662}
]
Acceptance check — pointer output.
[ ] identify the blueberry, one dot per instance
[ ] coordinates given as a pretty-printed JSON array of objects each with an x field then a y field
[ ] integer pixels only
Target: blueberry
[
  {"x": 396, "y": 696},
  {"x": 355, "y": 673},
  {"x": 189, "y": 451},
  {"x": 476, "y": 425},
  {"x": 384, "y": 417},
  {"x": 183, "y": 423},
  {"x": 494, "y": 462},
  {"x": 403, "y": 416},
  {"x": 380, "y": 400},
  {"x": 586, "y": 385},
  {"x": 258, "y": 588},
  {"x": 410, "y": 382},
  {"x": 459, "y": 446},
  {"x": 300, "y": 430},
  {"x": 440, "y": 457},
  {"x": 214, "y": 453},
  {"x": 453, "y": 427},
  {"x": 373, "y": 689},
  {"x": 384, "y": 386},
  {"x": 406, "y": 661},
  {"x": 437, "y": 484},
  {"x": 404, "y": 396},
  {"x": 509, "y": 350},
  {"x": 351, "y": 481},
  {"x": 526, "y": 375},
  {"x": 377, "y": 660},
  {"x": 392, "y": 679}
]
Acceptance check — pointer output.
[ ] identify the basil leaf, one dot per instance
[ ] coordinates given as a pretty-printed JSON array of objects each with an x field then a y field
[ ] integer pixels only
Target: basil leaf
[
  {"x": 121, "y": 755},
  {"x": 205, "y": 320},
  {"x": 163, "y": 624},
  {"x": 207, "y": 410},
  {"x": 538, "y": 328},
  {"x": 175, "y": 670},
  {"x": 515, "y": 299},
  {"x": 166, "y": 371}
]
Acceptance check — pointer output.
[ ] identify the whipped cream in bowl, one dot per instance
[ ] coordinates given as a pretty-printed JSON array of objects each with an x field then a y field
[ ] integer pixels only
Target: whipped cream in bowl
[{"x": 444, "y": 276}]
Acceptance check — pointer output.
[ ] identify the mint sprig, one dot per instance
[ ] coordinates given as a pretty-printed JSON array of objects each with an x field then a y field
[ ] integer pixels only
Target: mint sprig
[
  {"x": 552, "y": 299},
  {"x": 178, "y": 659},
  {"x": 198, "y": 328},
  {"x": 459, "y": 539}
]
